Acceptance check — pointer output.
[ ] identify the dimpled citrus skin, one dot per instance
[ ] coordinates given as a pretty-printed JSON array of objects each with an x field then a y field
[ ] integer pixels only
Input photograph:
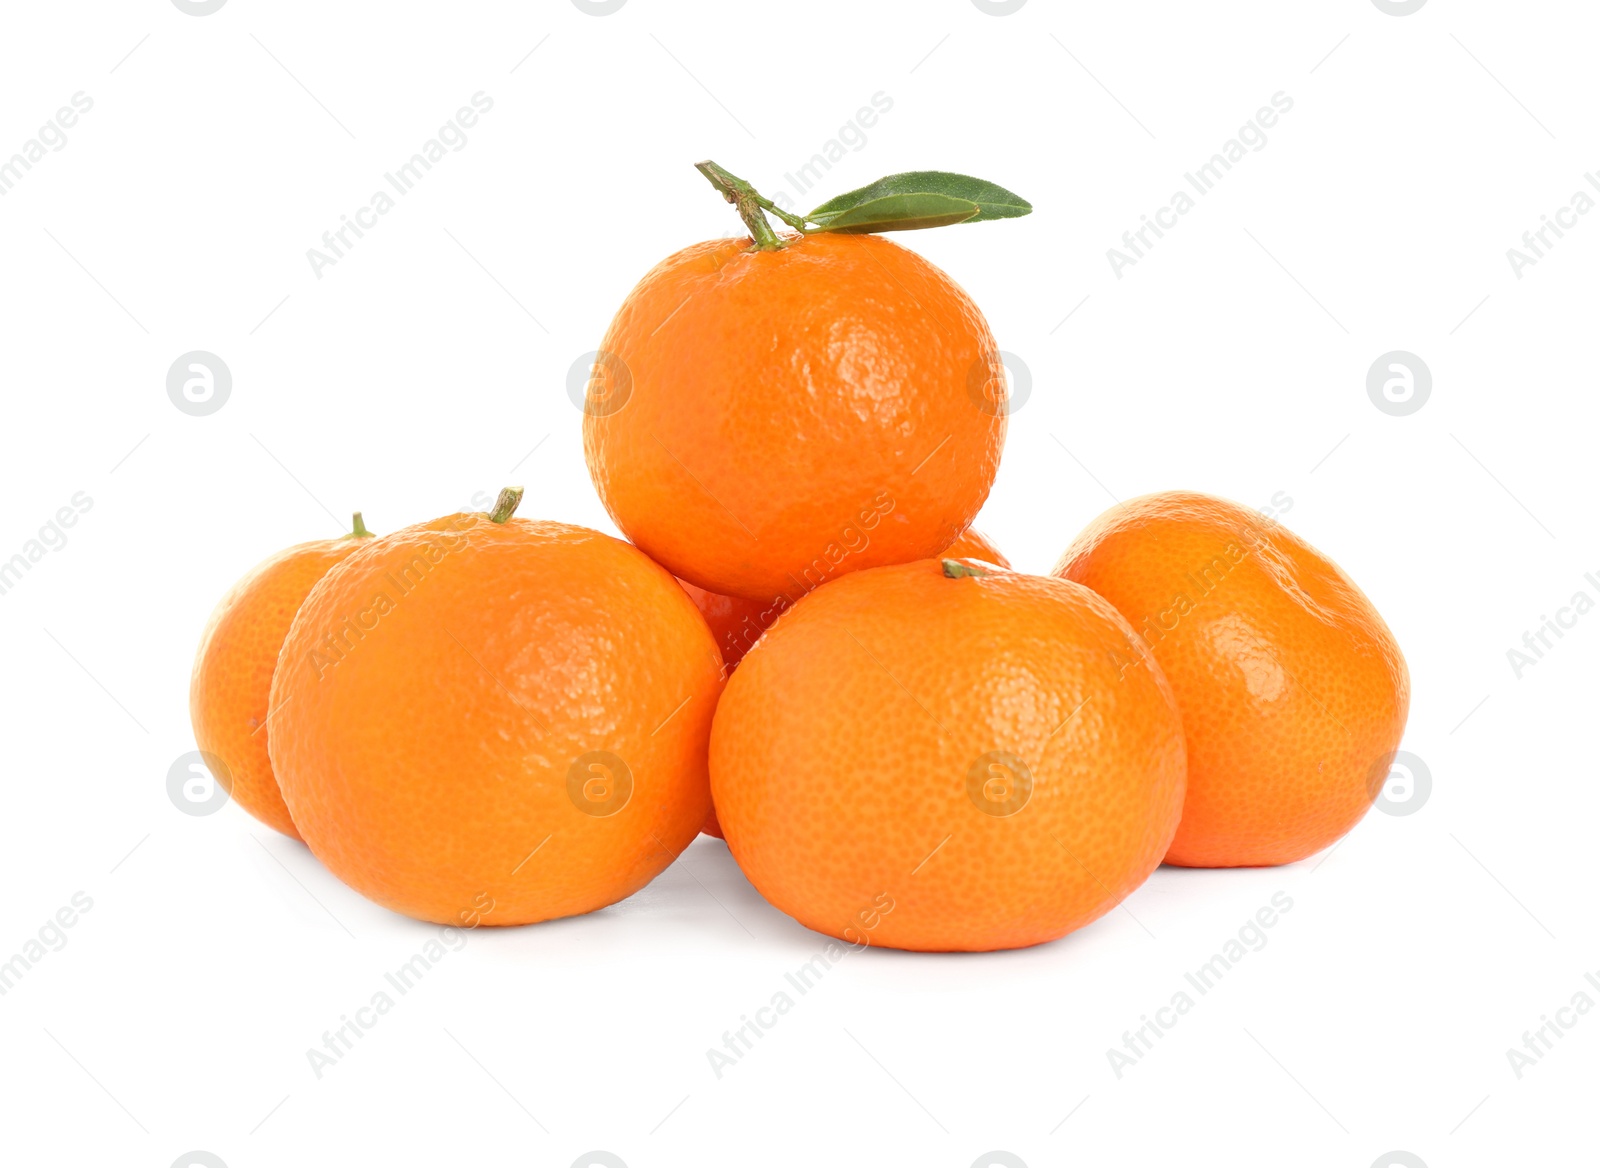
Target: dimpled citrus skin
[
  {"x": 232, "y": 677},
  {"x": 1292, "y": 688},
  {"x": 428, "y": 767},
  {"x": 737, "y": 623},
  {"x": 791, "y": 416},
  {"x": 841, "y": 753}
]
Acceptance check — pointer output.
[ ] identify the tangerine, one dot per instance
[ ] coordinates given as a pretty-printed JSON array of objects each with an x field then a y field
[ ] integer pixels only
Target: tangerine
[
  {"x": 944, "y": 756},
  {"x": 1293, "y": 691},
  {"x": 738, "y": 623},
  {"x": 230, "y": 686},
  {"x": 482, "y": 719},
  {"x": 762, "y": 421}
]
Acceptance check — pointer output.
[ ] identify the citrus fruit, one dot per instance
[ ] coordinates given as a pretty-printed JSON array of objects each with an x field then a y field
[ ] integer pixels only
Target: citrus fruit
[
  {"x": 972, "y": 544},
  {"x": 482, "y": 719},
  {"x": 762, "y": 421},
  {"x": 1292, "y": 689},
  {"x": 737, "y": 623},
  {"x": 946, "y": 755},
  {"x": 232, "y": 676}
]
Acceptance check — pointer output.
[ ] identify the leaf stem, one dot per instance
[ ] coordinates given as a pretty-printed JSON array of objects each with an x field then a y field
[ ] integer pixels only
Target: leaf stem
[{"x": 750, "y": 203}]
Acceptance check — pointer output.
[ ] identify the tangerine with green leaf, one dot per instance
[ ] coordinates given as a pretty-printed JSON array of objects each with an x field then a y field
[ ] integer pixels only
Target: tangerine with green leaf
[{"x": 774, "y": 412}]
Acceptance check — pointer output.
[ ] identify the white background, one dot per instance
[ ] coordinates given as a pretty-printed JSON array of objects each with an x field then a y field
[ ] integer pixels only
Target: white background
[{"x": 422, "y": 369}]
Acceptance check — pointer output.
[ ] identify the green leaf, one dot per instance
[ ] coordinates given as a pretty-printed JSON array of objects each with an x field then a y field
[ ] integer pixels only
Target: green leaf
[
  {"x": 901, "y": 201},
  {"x": 901, "y": 212}
]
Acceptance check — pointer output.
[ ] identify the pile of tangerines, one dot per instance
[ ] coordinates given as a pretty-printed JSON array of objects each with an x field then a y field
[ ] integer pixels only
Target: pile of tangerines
[{"x": 803, "y": 646}]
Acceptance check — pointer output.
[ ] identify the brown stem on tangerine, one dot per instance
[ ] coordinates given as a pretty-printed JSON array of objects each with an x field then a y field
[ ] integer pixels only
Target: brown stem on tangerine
[
  {"x": 506, "y": 505},
  {"x": 749, "y": 202}
]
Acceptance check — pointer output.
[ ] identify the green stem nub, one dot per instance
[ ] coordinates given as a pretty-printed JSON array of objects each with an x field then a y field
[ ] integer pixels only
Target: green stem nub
[
  {"x": 506, "y": 505},
  {"x": 751, "y": 205},
  {"x": 358, "y": 529},
  {"x": 955, "y": 569}
]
